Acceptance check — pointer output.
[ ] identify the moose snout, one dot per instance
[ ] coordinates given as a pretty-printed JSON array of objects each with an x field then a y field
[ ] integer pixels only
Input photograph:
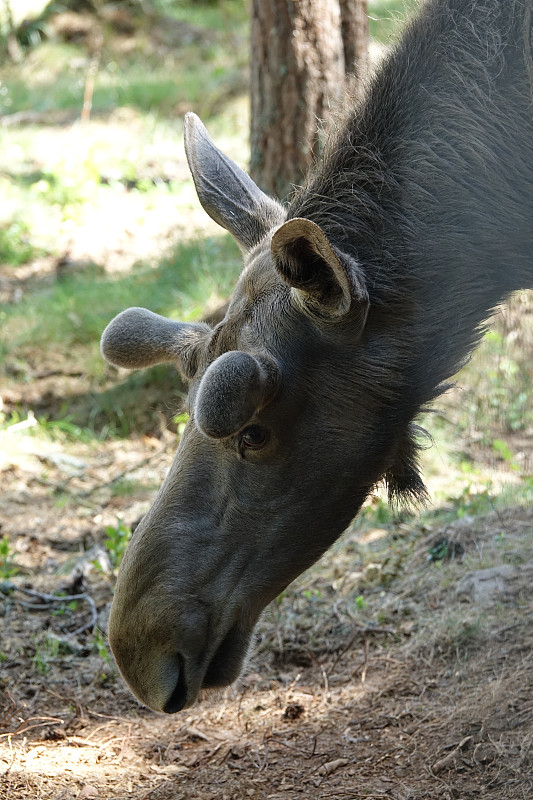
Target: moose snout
[
  {"x": 159, "y": 639},
  {"x": 156, "y": 678},
  {"x": 183, "y": 614},
  {"x": 167, "y": 669},
  {"x": 170, "y": 645}
]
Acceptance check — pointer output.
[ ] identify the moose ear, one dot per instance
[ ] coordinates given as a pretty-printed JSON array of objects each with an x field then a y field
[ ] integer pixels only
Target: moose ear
[
  {"x": 139, "y": 338},
  {"x": 327, "y": 280},
  {"x": 226, "y": 192}
]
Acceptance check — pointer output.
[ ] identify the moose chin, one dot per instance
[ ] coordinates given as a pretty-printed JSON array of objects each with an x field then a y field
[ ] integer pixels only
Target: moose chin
[{"x": 357, "y": 302}]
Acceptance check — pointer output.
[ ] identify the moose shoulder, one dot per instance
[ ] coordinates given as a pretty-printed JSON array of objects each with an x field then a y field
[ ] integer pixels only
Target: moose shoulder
[{"x": 373, "y": 284}]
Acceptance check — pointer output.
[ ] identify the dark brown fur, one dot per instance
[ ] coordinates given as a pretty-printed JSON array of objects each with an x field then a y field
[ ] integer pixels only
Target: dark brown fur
[{"x": 429, "y": 186}]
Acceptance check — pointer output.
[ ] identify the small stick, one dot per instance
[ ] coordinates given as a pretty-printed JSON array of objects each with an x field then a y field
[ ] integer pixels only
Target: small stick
[
  {"x": 91, "y": 78},
  {"x": 50, "y": 599},
  {"x": 365, "y": 666}
]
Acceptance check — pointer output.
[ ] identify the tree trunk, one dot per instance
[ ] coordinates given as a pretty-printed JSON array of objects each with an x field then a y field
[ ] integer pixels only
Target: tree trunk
[
  {"x": 354, "y": 29},
  {"x": 301, "y": 51}
]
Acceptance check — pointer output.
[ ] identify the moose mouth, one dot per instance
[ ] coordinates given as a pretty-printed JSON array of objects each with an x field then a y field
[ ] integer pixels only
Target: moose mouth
[{"x": 223, "y": 669}]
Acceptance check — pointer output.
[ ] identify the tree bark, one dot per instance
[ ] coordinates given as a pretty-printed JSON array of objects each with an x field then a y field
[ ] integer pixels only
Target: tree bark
[
  {"x": 354, "y": 29},
  {"x": 301, "y": 51}
]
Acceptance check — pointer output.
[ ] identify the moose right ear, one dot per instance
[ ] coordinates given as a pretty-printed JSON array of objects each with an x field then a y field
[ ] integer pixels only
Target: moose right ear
[
  {"x": 325, "y": 279},
  {"x": 226, "y": 192}
]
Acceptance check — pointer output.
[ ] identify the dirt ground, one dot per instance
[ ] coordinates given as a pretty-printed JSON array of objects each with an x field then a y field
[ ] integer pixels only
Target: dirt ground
[{"x": 427, "y": 694}]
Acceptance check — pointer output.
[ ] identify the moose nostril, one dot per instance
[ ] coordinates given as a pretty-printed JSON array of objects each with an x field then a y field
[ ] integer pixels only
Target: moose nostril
[{"x": 178, "y": 698}]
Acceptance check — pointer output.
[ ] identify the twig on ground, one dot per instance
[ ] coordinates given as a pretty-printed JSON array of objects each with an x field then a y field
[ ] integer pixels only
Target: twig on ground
[
  {"x": 38, "y": 723},
  {"x": 30, "y": 422},
  {"x": 152, "y": 790},
  {"x": 47, "y": 600},
  {"x": 122, "y": 474},
  {"x": 81, "y": 496},
  {"x": 365, "y": 665},
  {"x": 90, "y": 79},
  {"x": 359, "y": 632}
]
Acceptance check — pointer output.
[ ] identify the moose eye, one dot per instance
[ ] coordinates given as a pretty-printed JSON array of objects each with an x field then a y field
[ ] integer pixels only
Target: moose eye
[{"x": 253, "y": 437}]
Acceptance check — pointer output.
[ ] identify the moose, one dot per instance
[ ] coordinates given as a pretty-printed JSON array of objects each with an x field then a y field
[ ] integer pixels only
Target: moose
[{"x": 358, "y": 300}]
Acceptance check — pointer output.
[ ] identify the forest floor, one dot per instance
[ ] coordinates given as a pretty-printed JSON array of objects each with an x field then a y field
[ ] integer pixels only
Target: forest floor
[{"x": 399, "y": 667}]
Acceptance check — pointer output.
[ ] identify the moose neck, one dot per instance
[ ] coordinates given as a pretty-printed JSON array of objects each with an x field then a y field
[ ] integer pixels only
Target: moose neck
[{"x": 424, "y": 187}]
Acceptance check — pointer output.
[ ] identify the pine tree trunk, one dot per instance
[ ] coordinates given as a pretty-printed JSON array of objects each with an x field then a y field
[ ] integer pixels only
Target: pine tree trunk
[
  {"x": 297, "y": 68},
  {"x": 301, "y": 51},
  {"x": 354, "y": 29}
]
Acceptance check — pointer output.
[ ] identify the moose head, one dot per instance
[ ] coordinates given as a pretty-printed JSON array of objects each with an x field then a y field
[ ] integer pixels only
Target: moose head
[
  {"x": 356, "y": 304},
  {"x": 289, "y": 429}
]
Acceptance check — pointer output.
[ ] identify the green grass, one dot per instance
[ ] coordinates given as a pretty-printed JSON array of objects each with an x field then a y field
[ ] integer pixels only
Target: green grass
[
  {"x": 7, "y": 559},
  {"x": 511, "y": 387},
  {"x": 138, "y": 403},
  {"x": 63, "y": 322},
  {"x": 225, "y": 17},
  {"x": 75, "y": 311},
  {"x": 197, "y": 56},
  {"x": 116, "y": 541},
  {"x": 50, "y": 179},
  {"x": 385, "y": 17},
  {"x": 16, "y": 247},
  {"x": 492, "y": 404},
  {"x": 196, "y": 65}
]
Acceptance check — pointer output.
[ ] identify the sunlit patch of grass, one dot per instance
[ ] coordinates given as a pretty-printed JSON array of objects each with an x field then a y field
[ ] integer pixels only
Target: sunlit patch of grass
[
  {"x": 16, "y": 245},
  {"x": 76, "y": 310},
  {"x": 200, "y": 86},
  {"x": 195, "y": 56},
  {"x": 53, "y": 178},
  {"x": 47, "y": 197},
  {"x": 62, "y": 429}
]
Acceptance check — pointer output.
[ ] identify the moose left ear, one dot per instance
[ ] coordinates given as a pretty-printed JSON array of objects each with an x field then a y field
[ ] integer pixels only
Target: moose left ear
[
  {"x": 226, "y": 192},
  {"x": 329, "y": 281}
]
